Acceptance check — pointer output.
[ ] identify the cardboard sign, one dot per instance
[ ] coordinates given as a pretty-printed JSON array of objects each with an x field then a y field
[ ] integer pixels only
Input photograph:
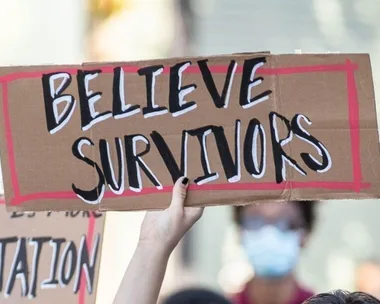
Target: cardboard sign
[
  {"x": 243, "y": 127},
  {"x": 49, "y": 257}
]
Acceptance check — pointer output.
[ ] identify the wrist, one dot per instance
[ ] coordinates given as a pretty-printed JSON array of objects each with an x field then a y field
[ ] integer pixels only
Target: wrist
[{"x": 156, "y": 249}]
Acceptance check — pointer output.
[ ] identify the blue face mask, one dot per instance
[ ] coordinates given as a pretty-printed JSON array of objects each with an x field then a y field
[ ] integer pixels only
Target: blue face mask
[{"x": 272, "y": 253}]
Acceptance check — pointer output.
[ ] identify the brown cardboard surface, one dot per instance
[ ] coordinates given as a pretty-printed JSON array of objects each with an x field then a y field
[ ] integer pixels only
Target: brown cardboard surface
[
  {"x": 43, "y": 256},
  {"x": 314, "y": 112}
]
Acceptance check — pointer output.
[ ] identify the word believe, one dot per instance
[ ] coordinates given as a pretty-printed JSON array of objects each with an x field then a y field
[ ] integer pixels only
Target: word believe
[
  {"x": 130, "y": 162},
  {"x": 120, "y": 109}
]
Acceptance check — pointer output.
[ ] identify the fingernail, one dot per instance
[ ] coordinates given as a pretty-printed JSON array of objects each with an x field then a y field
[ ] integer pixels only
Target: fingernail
[{"x": 185, "y": 181}]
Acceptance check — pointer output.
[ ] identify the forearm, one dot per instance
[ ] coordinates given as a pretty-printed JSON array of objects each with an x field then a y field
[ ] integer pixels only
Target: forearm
[{"x": 145, "y": 273}]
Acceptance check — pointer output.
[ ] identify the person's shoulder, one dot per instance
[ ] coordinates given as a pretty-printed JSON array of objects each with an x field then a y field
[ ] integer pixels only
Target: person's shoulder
[
  {"x": 303, "y": 293},
  {"x": 240, "y": 297}
]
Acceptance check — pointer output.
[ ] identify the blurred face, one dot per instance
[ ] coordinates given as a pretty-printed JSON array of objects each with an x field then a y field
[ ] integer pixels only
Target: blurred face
[{"x": 272, "y": 236}]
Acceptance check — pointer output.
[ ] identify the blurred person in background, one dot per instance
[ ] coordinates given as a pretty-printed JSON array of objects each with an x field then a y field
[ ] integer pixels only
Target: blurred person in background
[
  {"x": 272, "y": 235},
  {"x": 285, "y": 226},
  {"x": 368, "y": 278}
]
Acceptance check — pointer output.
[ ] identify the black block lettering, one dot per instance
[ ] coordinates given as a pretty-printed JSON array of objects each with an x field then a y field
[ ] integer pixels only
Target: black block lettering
[
  {"x": 95, "y": 195},
  {"x": 16, "y": 214},
  {"x": 248, "y": 82},
  {"x": 220, "y": 100},
  {"x": 74, "y": 214},
  {"x": 309, "y": 160},
  {"x": 19, "y": 270},
  {"x": 3, "y": 244},
  {"x": 119, "y": 108},
  {"x": 86, "y": 264},
  {"x": 177, "y": 93},
  {"x": 150, "y": 73},
  {"x": 279, "y": 155},
  {"x": 88, "y": 98},
  {"x": 52, "y": 281},
  {"x": 253, "y": 166},
  {"x": 53, "y": 97},
  {"x": 116, "y": 187},
  {"x": 38, "y": 243},
  {"x": 201, "y": 134},
  {"x": 135, "y": 162},
  {"x": 67, "y": 264},
  {"x": 167, "y": 155},
  {"x": 231, "y": 168}
]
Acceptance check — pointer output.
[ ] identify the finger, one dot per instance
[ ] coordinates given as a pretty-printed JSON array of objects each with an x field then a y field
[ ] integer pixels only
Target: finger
[{"x": 179, "y": 193}]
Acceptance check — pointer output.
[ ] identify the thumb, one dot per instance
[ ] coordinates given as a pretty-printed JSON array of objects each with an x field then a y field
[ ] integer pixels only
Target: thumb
[{"x": 179, "y": 193}]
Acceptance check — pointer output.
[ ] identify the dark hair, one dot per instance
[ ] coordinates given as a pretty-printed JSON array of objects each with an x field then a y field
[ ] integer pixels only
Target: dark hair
[
  {"x": 307, "y": 209},
  {"x": 342, "y": 297},
  {"x": 196, "y": 296}
]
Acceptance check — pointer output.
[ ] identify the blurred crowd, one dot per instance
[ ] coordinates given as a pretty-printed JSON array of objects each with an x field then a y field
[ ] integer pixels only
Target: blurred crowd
[{"x": 272, "y": 236}]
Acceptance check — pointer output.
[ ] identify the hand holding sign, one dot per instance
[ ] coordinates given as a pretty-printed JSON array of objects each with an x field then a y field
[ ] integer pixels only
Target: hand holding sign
[
  {"x": 166, "y": 228},
  {"x": 160, "y": 232}
]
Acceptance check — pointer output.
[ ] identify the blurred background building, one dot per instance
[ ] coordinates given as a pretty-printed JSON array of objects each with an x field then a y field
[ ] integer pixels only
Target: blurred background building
[{"x": 72, "y": 31}]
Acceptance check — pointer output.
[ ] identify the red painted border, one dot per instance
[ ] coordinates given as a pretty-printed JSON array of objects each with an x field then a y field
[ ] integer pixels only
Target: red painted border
[
  {"x": 190, "y": 70},
  {"x": 353, "y": 105},
  {"x": 9, "y": 140},
  {"x": 353, "y": 112},
  {"x": 207, "y": 187},
  {"x": 349, "y": 68},
  {"x": 89, "y": 238}
]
